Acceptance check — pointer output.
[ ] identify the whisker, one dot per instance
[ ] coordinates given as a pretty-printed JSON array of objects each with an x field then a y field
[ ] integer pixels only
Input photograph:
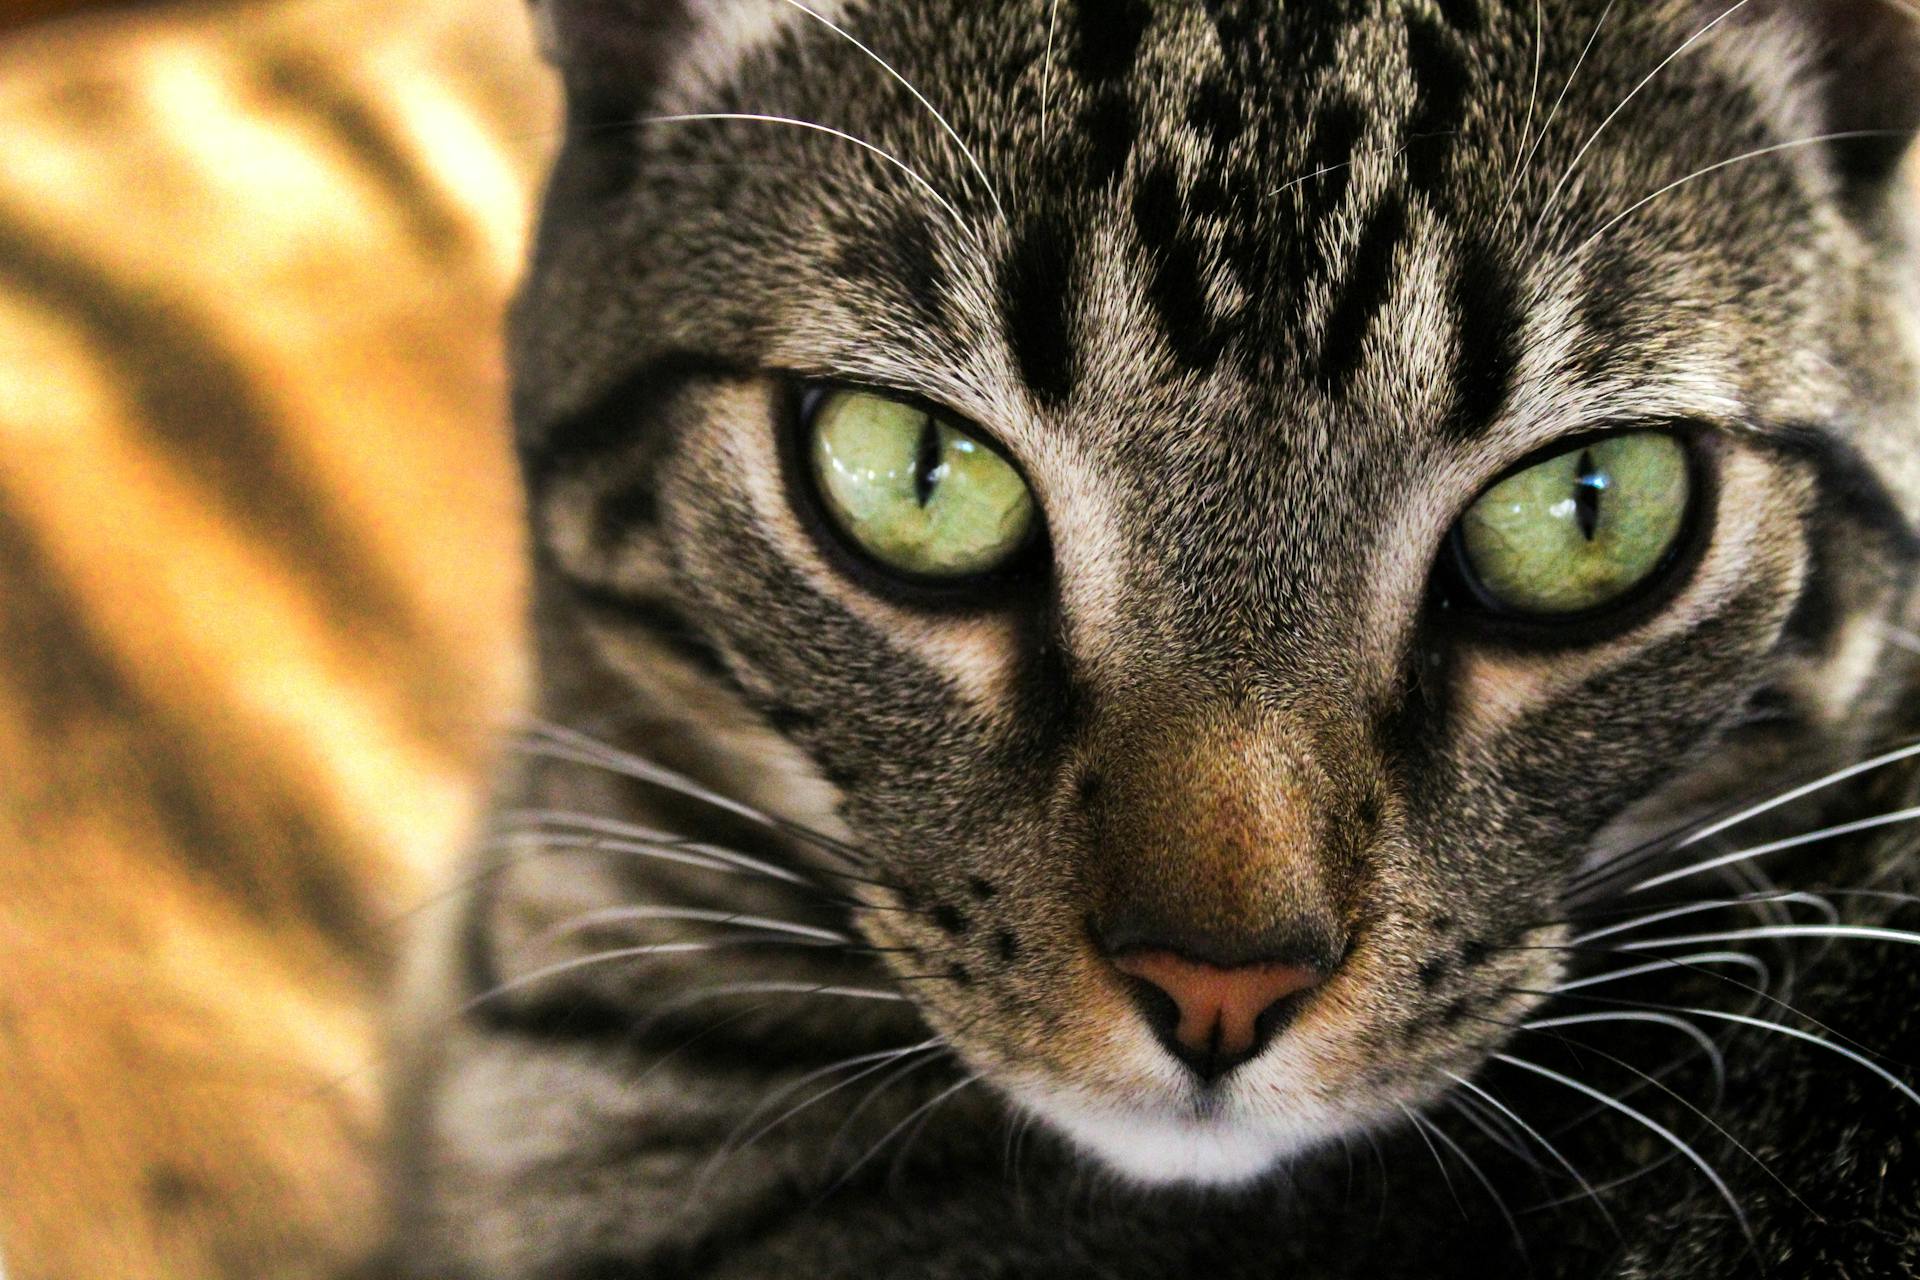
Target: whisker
[
  {"x": 1699, "y": 1037},
  {"x": 754, "y": 117},
  {"x": 1473, "y": 1167},
  {"x": 577, "y": 963},
  {"x": 701, "y": 915},
  {"x": 1858, "y": 1059},
  {"x": 570, "y": 744},
  {"x": 1900, "y": 637},
  {"x": 925, "y": 1108},
  {"x": 869, "y": 1063},
  {"x": 1487, "y": 1096},
  {"x": 1881, "y": 761},
  {"x": 1547, "y": 126},
  {"x": 1648, "y": 1122},
  {"x": 1756, "y": 154},
  {"x": 687, "y": 998},
  {"x": 1533, "y": 98},
  {"x": 870, "y": 1097},
  {"x": 1719, "y": 1128},
  {"x": 1857, "y": 932},
  {"x": 1696, "y": 908},
  {"x": 1046, "y": 75},
  {"x": 1553, "y": 197},
  {"x": 1420, "y": 1127},
  {"x": 919, "y": 97},
  {"x": 684, "y": 853},
  {"x": 1775, "y": 846},
  {"x": 1740, "y": 958},
  {"x": 1497, "y": 1131}
]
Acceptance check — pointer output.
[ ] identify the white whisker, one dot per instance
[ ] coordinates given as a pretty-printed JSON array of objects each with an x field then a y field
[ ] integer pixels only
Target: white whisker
[
  {"x": 1901, "y": 637},
  {"x": 1860, "y": 1060},
  {"x": 1480, "y": 1175},
  {"x": 576, "y": 963},
  {"x": 701, "y": 915},
  {"x": 1855, "y": 932},
  {"x": 868, "y": 1062},
  {"x": 919, "y": 97},
  {"x": 754, "y": 117},
  {"x": 1533, "y": 98},
  {"x": 688, "y": 852},
  {"x": 1652, "y": 1125},
  {"x": 1420, "y": 1127},
  {"x": 1908, "y": 752},
  {"x": 561, "y": 743},
  {"x": 1696, "y": 908},
  {"x": 1553, "y": 197},
  {"x": 1046, "y": 74},
  {"x": 923, "y": 1109},
  {"x": 1775, "y": 846},
  {"x": 1740, "y": 959},
  {"x": 1547, "y": 126},
  {"x": 1681, "y": 1025},
  {"x": 1756, "y": 154},
  {"x": 1536, "y": 1135}
]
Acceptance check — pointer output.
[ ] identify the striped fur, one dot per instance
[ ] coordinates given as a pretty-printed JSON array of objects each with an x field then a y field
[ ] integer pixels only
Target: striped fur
[
  {"x": 1259, "y": 295},
  {"x": 259, "y": 567}
]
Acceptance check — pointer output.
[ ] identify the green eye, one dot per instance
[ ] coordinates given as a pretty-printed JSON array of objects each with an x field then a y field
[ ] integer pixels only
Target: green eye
[
  {"x": 1582, "y": 529},
  {"x": 914, "y": 492}
]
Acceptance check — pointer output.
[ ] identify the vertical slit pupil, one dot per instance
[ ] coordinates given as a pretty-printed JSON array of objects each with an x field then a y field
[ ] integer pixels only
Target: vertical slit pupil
[
  {"x": 1590, "y": 483},
  {"x": 926, "y": 465}
]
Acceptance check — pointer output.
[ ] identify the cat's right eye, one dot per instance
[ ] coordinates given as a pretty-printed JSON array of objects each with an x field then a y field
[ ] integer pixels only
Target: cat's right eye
[
  {"x": 914, "y": 492},
  {"x": 1579, "y": 531}
]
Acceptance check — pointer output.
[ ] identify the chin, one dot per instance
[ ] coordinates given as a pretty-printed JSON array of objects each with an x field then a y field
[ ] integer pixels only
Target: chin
[{"x": 1173, "y": 1144}]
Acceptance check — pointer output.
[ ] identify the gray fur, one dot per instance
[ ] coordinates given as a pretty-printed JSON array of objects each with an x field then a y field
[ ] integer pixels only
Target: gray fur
[{"x": 1259, "y": 296}]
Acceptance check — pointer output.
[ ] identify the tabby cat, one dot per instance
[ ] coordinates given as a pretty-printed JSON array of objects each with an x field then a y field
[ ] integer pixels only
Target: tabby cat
[{"x": 1211, "y": 638}]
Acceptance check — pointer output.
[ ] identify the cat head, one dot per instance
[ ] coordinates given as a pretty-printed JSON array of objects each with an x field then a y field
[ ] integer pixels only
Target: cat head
[{"x": 1237, "y": 509}]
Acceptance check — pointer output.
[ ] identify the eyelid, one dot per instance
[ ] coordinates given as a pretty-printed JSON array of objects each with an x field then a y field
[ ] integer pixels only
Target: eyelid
[{"x": 815, "y": 388}]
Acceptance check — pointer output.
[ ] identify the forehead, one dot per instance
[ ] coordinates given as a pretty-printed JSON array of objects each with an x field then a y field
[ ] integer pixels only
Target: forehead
[{"x": 1118, "y": 195}]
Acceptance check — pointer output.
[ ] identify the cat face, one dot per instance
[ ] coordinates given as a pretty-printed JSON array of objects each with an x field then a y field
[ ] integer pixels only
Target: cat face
[{"x": 1235, "y": 508}]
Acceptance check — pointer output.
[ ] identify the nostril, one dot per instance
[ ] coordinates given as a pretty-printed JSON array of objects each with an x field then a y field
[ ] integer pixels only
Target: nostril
[{"x": 1213, "y": 1017}]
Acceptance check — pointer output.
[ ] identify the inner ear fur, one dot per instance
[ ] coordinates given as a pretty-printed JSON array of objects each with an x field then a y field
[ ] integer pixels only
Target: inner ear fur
[
  {"x": 611, "y": 54},
  {"x": 1869, "y": 64}
]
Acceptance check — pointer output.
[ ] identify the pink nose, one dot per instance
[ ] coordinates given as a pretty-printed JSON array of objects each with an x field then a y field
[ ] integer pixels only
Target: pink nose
[{"x": 1218, "y": 1016}]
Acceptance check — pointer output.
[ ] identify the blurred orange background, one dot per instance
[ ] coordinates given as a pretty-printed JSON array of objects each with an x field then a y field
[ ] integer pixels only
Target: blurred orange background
[{"x": 259, "y": 595}]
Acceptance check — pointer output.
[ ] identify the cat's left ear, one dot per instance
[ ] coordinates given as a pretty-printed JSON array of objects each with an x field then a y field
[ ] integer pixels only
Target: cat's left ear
[
  {"x": 1869, "y": 64},
  {"x": 611, "y": 54}
]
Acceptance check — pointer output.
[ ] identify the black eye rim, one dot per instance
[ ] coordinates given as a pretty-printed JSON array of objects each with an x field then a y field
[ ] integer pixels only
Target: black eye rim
[
  {"x": 1465, "y": 602},
  {"x": 1016, "y": 578}
]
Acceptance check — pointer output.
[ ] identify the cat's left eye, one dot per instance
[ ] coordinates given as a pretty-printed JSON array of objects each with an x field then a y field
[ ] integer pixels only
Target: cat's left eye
[{"x": 914, "y": 492}]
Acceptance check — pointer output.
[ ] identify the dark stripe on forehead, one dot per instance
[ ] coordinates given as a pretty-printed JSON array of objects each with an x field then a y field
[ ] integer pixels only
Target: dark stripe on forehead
[
  {"x": 1106, "y": 134},
  {"x": 1292, "y": 44},
  {"x": 1440, "y": 79},
  {"x": 1364, "y": 293},
  {"x": 1174, "y": 286},
  {"x": 1486, "y": 307},
  {"x": 1461, "y": 15},
  {"x": 1107, "y": 37},
  {"x": 1036, "y": 298},
  {"x": 1320, "y": 190}
]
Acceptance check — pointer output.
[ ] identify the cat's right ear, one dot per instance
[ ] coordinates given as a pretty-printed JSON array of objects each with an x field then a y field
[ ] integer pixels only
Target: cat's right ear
[
  {"x": 611, "y": 54},
  {"x": 1868, "y": 59}
]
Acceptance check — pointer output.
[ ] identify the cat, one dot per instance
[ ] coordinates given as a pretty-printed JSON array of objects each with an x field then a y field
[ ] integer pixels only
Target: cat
[{"x": 1135, "y": 599}]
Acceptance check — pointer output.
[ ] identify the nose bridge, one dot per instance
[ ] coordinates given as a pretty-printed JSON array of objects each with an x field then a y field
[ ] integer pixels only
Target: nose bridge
[{"x": 1221, "y": 830}]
